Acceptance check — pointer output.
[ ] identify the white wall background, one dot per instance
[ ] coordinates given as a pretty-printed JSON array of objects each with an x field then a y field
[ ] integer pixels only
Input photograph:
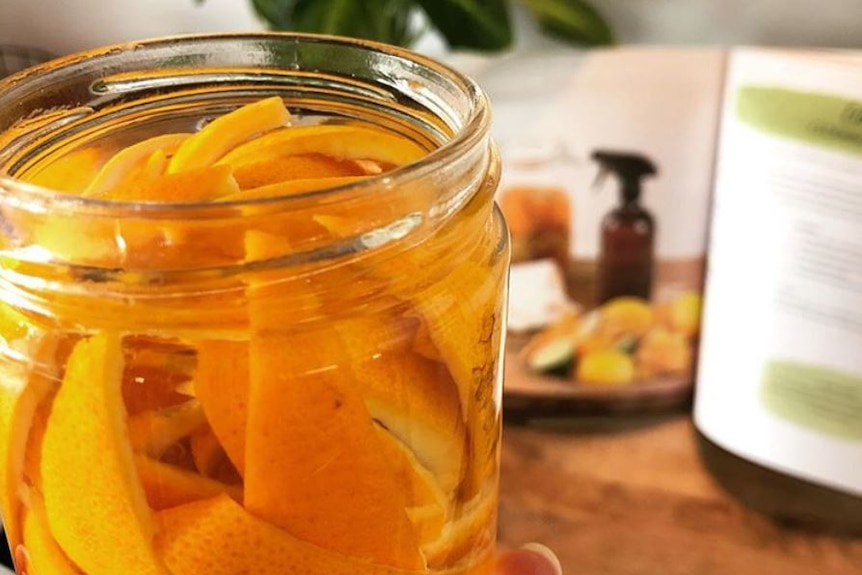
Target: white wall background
[
  {"x": 62, "y": 26},
  {"x": 773, "y": 22}
]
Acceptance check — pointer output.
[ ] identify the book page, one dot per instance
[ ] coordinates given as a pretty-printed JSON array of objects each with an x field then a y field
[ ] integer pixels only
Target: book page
[{"x": 780, "y": 370}]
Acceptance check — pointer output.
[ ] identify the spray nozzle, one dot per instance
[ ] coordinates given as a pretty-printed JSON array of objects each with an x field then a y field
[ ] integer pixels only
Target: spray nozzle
[{"x": 630, "y": 168}]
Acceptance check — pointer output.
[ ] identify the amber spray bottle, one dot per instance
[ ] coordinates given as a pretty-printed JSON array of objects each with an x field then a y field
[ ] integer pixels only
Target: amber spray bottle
[{"x": 627, "y": 232}]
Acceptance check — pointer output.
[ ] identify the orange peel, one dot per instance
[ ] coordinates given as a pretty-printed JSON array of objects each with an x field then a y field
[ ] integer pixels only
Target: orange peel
[
  {"x": 317, "y": 469},
  {"x": 218, "y": 537},
  {"x": 465, "y": 338},
  {"x": 471, "y": 533},
  {"x": 418, "y": 402},
  {"x": 94, "y": 501},
  {"x": 153, "y": 432},
  {"x": 226, "y": 132},
  {"x": 210, "y": 458},
  {"x": 21, "y": 394},
  {"x": 168, "y": 486},
  {"x": 292, "y": 188},
  {"x": 342, "y": 142},
  {"x": 262, "y": 172},
  {"x": 221, "y": 386},
  {"x": 428, "y": 506},
  {"x": 43, "y": 554},
  {"x": 132, "y": 160},
  {"x": 193, "y": 185},
  {"x": 71, "y": 172}
]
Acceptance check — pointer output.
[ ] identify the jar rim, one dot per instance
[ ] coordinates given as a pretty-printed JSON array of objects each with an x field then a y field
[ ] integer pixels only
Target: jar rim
[{"x": 472, "y": 131}]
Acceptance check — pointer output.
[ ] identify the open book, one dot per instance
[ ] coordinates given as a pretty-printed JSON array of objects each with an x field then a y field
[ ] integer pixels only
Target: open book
[{"x": 629, "y": 173}]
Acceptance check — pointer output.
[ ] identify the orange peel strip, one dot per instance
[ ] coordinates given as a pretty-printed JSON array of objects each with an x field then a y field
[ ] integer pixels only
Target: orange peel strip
[
  {"x": 472, "y": 532},
  {"x": 207, "y": 452},
  {"x": 168, "y": 486},
  {"x": 210, "y": 458},
  {"x": 467, "y": 339},
  {"x": 221, "y": 386},
  {"x": 415, "y": 398},
  {"x": 427, "y": 504},
  {"x": 292, "y": 187},
  {"x": 218, "y": 537},
  {"x": 315, "y": 465},
  {"x": 21, "y": 394},
  {"x": 194, "y": 185},
  {"x": 342, "y": 142},
  {"x": 153, "y": 432},
  {"x": 71, "y": 172},
  {"x": 94, "y": 501},
  {"x": 129, "y": 161},
  {"x": 268, "y": 171},
  {"x": 43, "y": 554},
  {"x": 228, "y": 131}
]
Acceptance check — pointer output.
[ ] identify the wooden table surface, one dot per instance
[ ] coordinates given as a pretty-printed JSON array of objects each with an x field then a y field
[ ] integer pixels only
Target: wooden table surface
[{"x": 630, "y": 497}]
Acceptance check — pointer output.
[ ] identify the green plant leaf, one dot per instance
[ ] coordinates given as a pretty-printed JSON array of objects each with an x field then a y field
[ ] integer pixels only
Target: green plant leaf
[
  {"x": 572, "y": 20},
  {"x": 475, "y": 24},
  {"x": 382, "y": 20},
  {"x": 275, "y": 12}
]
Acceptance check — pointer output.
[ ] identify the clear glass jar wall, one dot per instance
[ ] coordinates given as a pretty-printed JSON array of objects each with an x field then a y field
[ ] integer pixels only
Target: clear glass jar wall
[{"x": 306, "y": 381}]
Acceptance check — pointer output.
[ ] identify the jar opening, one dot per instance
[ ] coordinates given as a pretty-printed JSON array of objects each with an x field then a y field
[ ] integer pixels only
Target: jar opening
[
  {"x": 79, "y": 98},
  {"x": 106, "y": 98}
]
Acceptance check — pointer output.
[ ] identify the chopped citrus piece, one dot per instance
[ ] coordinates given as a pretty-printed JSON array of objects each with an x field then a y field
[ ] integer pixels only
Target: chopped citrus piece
[
  {"x": 43, "y": 554},
  {"x": 663, "y": 351},
  {"x": 625, "y": 315},
  {"x": 300, "y": 167},
  {"x": 314, "y": 463},
  {"x": 342, "y": 142},
  {"x": 683, "y": 314},
  {"x": 126, "y": 165},
  {"x": 218, "y": 537},
  {"x": 168, "y": 486},
  {"x": 228, "y": 131},
  {"x": 221, "y": 385},
  {"x": 153, "y": 432},
  {"x": 96, "y": 506},
  {"x": 197, "y": 185},
  {"x": 605, "y": 366}
]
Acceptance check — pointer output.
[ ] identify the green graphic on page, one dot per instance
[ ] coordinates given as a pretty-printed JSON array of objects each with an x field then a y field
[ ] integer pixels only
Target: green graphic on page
[
  {"x": 819, "y": 119},
  {"x": 816, "y": 397}
]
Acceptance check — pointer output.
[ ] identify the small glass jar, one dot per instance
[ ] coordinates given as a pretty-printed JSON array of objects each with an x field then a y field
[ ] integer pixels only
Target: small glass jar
[{"x": 308, "y": 382}]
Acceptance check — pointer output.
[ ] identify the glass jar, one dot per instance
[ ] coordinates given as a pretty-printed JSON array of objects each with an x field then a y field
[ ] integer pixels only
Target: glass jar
[{"x": 308, "y": 382}]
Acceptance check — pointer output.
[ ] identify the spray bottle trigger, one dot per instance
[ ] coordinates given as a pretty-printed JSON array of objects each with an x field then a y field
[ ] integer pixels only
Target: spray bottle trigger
[{"x": 601, "y": 176}]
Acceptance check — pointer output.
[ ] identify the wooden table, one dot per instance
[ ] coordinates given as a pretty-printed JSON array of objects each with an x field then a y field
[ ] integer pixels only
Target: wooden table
[{"x": 630, "y": 497}]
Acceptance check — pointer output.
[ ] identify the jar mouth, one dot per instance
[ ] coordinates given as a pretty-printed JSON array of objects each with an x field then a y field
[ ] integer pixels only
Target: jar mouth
[{"x": 68, "y": 91}]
